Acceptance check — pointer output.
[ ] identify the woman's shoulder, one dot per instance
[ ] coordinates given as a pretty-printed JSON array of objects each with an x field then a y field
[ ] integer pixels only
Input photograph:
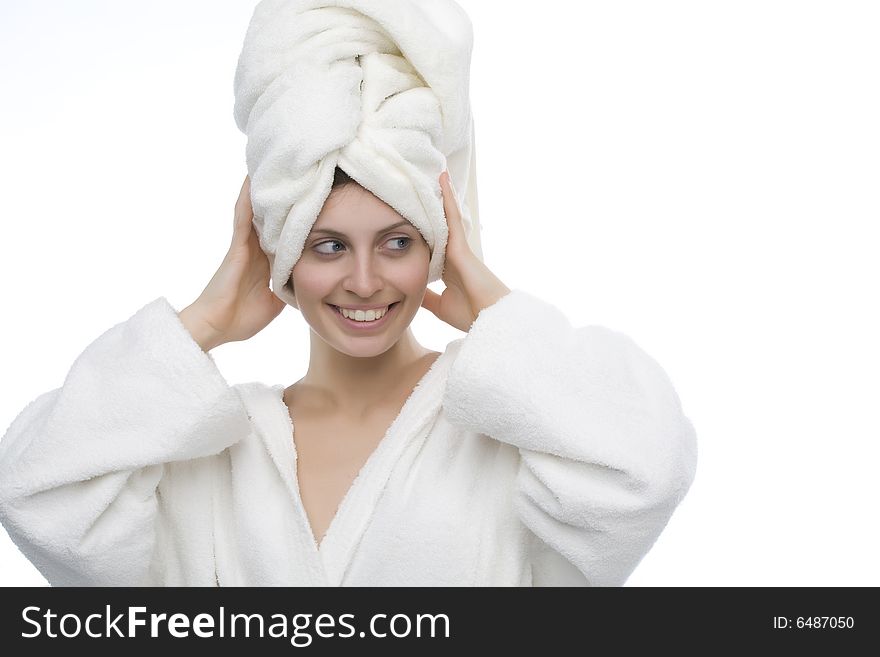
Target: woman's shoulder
[{"x": 259, "y": 398}]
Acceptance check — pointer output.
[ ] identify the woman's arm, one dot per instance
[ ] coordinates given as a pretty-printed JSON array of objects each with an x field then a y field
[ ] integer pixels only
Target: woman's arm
[
  {"x": 80, "y": 465},
  {"x": 607, "y": 453}
]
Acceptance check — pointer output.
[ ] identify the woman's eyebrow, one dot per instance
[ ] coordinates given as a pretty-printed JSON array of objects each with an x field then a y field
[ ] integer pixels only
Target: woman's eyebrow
[{"x": 336, "y": 233}]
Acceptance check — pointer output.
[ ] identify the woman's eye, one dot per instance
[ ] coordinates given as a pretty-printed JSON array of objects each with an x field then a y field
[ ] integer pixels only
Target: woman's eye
[
  {"x": 406, "y": 241},
  {"x": 394, "y": 241},
  {"x": 331, "y": 242}
]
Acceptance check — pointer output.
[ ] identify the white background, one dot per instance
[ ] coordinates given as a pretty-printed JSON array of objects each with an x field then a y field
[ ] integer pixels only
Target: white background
[{"x": 702, "y": 176}]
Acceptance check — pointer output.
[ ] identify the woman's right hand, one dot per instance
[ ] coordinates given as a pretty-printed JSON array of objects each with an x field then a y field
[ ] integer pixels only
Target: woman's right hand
[{"x": 237, "y": 303}]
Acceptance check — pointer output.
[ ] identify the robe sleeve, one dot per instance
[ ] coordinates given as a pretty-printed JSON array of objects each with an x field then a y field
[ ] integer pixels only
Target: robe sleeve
[
  {"x": 80, "y": 465},
  {"x": 606, "y": 452}
]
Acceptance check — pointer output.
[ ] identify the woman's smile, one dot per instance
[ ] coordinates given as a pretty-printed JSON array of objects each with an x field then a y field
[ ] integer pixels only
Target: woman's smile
[{"x": 364, "y": 325}]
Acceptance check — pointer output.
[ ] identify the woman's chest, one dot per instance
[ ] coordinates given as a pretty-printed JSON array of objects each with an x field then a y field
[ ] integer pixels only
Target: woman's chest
[{"x": 331, "y": 452}]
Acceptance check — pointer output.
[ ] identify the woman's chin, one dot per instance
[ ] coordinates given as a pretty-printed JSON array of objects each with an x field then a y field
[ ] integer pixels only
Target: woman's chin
[{"x": 366, "y": 347}]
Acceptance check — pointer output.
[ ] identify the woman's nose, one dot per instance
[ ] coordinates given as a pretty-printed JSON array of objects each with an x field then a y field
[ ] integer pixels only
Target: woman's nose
[{"x": 364, "y": 279}]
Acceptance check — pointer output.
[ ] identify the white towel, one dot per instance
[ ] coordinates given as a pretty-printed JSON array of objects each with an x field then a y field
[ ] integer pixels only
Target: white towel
[{"x": 380, "y": 88}]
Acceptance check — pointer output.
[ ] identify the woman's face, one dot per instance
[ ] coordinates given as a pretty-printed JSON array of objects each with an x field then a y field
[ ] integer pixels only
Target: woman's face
[{"x": 361, "y": 254}]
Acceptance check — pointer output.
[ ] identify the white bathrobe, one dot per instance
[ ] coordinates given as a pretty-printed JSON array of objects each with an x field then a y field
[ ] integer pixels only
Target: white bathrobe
[{"x": 530, "y": 454}]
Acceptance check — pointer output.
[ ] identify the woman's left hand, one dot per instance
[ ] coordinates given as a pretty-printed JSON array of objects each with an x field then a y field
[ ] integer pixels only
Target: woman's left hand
[{"x": 470, "y": 285}]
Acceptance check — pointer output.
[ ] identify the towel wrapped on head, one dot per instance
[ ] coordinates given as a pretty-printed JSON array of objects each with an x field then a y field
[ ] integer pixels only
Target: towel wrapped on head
[{"x": 379, "y": 88}]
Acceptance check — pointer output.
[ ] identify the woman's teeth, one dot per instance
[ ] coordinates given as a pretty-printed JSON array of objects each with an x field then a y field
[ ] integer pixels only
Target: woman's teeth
[{"x": 364, "y": 316}]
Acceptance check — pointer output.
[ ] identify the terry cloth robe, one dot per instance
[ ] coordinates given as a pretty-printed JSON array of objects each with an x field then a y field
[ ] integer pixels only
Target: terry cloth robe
[{"x": 531, "y": 453}]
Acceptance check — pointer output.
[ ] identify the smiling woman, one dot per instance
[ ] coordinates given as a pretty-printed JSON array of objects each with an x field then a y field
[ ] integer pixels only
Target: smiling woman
[{"x": 527, "y": 452}]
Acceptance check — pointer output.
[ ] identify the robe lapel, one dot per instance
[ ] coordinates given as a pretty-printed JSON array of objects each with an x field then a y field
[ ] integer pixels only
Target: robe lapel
[{"x": 275, "y": 430}]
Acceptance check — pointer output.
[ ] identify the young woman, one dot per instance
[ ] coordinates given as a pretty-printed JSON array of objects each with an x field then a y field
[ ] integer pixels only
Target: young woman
[{"x": 529, "y": 452}]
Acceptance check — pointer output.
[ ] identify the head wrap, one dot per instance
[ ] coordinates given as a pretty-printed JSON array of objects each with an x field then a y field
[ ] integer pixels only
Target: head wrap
[{"x": 379, "y": 88}]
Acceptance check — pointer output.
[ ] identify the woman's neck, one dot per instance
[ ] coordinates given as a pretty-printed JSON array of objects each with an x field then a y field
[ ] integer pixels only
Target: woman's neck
[{"x": 352, "y": 385}]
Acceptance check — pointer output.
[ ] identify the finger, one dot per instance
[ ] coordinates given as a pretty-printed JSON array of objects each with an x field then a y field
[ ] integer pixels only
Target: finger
[
  {"x": 431, "y": 301},
  {"x": 244, "y": 214},
  {"x": 243, "y": 203},
  {"x": 450, "y": 207}
]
